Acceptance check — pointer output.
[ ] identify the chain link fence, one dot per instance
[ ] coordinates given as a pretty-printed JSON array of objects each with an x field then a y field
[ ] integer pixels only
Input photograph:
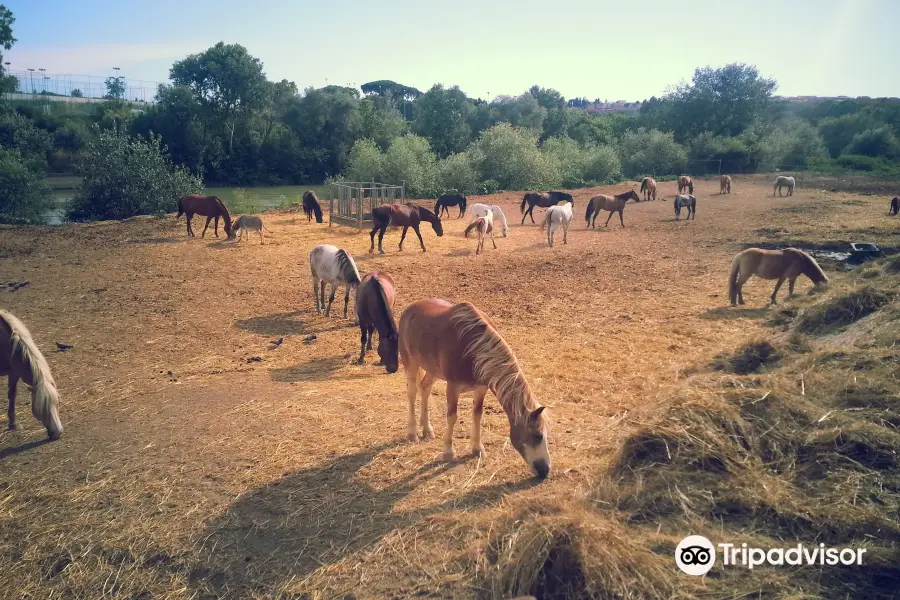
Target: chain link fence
[{"x": 37, "y": 83}]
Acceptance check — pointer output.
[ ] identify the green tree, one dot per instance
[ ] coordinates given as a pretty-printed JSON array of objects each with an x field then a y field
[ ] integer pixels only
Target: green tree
[
  {"x": 24, "y": 195},
  {"x": 386, "y": 87},
  {"x": 644, "y": 152},
  {"x": 76, "y": 93},
  {"x": 442, "y": 116},
  {"x": 7, "y": 84},
  {"x": 838, "y": 131},
  {"x": 510, "y": 157},
  {"x": 521, "y": 111},
  {"x": 379, "y": 124},
  {"x": 115, "y": 88},
  {"x": 875, "y": 143},
  {"x": 457, "y": 173},
  {"x": 410, "y": 159},
  {"x": 325, "y": 121},
  {"x": 365, "y": 162}
]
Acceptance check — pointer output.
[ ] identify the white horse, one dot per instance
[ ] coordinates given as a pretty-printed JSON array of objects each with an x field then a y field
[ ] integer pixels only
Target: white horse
[
  {"x": 688, "y": 201},
  {"x": 784, "y": 181},
  {"x": 557, "y": 216},
  {"x": 480, "y": 210},
  {"x": 21, "y": 359},
  {"x": 334, "y": 265}
]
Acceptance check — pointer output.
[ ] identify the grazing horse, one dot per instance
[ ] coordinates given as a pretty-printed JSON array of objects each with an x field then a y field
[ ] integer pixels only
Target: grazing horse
[
  {"x": 685, "y": 183},
  {"x": 210, "y": 207},
  {"x": 405, "y": 216},
  {"x": 375, "y": 298},
  {"x": 895, "y": 206},
  {"x": 688, "y": 201},
  {"x": 20, "y": 358},
  {"x": 556, "y": 217},
  {"x": 725, "y": 184},
  {"x": 460, "y": 345},
  {"x": 450, "y": 200},
  {"x": 788, "y": 264},
  {"x": 311, "y": 205},
  {"x": 648, "y": 188},
  {"x": 480, "y": 210},
  {"x": 614, "y": 204},
  {"x": 781, "y": 182},
  {"x": 483, "y": 226},
  {"x": 541, "y": 200},
  {"x": 334, "y": 265}
]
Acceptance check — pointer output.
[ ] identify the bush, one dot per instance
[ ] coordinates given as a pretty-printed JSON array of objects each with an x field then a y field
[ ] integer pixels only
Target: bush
[
  {"x": 456, "y": 172},
  {"x": 604, "y": 166},
  {"x": 874, "y": 142},
  {"x": 24, "y": 195},
  {"x": 125, "y": 176},
  {"x": 510, "y": 156},
  {"x": 410, "y": 159},
  {"x": 579, "y": 165},
  {"x": 652, "y": 151},
  {"x": 365, "y": 161}
]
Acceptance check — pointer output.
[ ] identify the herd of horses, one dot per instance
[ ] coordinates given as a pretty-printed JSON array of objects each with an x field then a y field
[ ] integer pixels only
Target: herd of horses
[{"x": 434, "y": 339}]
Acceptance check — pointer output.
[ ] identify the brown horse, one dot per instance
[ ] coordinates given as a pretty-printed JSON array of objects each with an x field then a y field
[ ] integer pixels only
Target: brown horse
[
  {"x": 210, "y": 207},
  {"x": 788, "y": 264},
  {"x": 614, "y": 204},
  {"x": 460, "y": 345},
  {"x": 311, "y": 205},
  {"x": 482, "y": 226},
  {"x": 725, "y": 184},
  {"x": 542, "y": 200},
  {"x": 895, "y": 206},
  {"x": 648, "y": 188},
  {"x": 375, "y": 298},
  {"x": 685, "y": 182},
  {"x": 405, "y": 216}
]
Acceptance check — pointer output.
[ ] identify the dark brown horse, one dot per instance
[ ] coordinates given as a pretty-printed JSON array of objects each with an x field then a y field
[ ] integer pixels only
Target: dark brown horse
[
  {"x": 375, "y": 298},
  {"x": 311, "y": 205},
  {"x": 405, "y": 216},
  {"x": 542, "y": 200},
  {"x": 210, "y": 207},
  {"x": 895, "y": 206},
  {"x": 440, "y": 207}
]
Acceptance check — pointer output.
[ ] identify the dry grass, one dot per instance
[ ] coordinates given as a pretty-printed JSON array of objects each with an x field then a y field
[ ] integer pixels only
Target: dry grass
[{"x": 200, "y": 461}]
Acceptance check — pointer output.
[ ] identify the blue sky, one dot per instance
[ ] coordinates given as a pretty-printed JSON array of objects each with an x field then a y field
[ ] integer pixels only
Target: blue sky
[{"x": 612, "y": 50}]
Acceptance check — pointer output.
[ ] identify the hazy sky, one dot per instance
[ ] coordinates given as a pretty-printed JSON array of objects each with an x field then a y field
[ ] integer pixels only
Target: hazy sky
[{"x": 612, "y": 50}]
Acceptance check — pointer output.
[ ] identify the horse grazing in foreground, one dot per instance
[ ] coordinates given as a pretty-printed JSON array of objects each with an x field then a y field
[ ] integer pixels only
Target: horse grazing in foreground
[
  {"x": 334, "y": 265},
  {"x": 446, "y": 200},
  {"x": 483, "y": 226},
  {"x": 210, "y": 207},
  {"x": 688, "y": 201},
  {"x": 20, "y": 358},
  {"x": 480, "y": 210},
  {"x": 311, "y": 206},
  {"x": 541, "y": 200},
  {"x": 614, "y": 204},
  {"x": 725, "y": 184},
  {"x": 788, "y": 264},
  {"x": 375, "y": 298},
  {"x": 781, "y": 182},
  {"x": 460, "y": 345},
  {"x": 895, "y": 206},
  {"x": 685, "y": 183},
  {"x": 556, "y": 217},
  {"x": 648, "y": 188},
  {"x": 405, "y": 216}
]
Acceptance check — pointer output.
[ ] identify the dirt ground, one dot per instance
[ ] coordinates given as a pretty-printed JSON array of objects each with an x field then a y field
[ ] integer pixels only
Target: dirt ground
[{"x": 201, "y": 461}]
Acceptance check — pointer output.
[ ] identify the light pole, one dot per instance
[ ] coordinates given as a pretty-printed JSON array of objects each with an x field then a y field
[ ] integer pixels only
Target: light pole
[
  {"x": 42, "y": 77},
  {"x": 31, "y": 77},
  {"x": 117, "y": 69}
]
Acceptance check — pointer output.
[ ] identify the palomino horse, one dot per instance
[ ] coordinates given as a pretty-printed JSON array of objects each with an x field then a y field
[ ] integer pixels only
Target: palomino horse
[
  {"x": 375, "y": 298},
  {"x": 334, "y": 265},
  {"x": 556, "y": 217},
  {"x": 483, "y": 226},
  {"x": 480, "y": 210},
  {"x": 788, "y": 264},
  {"x": 542, "y": 200},
  {"x": 781, "y": 182},
  {"x": 648, "y": 188},
  {"x": 725, "y": 184},
  {"x": 210, "y": 207},
  {"x": 440, "y": 207},
  {"x": 460, "y": 345},
  {"x": 687, "y": 201},
  {"x": 405, "y": 216},
  {"x": 895, "y": 206},
  {"x": 20, "y": 358},
  {"x": 614, "y": 204},
  {"x": 311, "y": 205},
  {"x": 685, "y": 183}
]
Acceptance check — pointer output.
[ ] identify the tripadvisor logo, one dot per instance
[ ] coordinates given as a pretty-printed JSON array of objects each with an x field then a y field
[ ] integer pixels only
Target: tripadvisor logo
[{"x": 696, "y": 555}]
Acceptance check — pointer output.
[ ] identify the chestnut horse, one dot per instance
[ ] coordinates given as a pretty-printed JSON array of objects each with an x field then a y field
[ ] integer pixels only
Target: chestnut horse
[
  {"x": 311, "y": 205},
  {"x": 542, "y": 200},
  {"x": 788, "y": 264},
  {"x": 648, "y": 188},
  {"x": 460, "y": 345},
  {"x": 614, "y": 204},
  {"x": 482, "y": 226},
  {"x": 375, "y": 298},
  {"x": 210, "y": 207},
  {"x": 685, "y": 182},
  {"x": 725, "y": 184},
  {"x": 405, "y": 216}
]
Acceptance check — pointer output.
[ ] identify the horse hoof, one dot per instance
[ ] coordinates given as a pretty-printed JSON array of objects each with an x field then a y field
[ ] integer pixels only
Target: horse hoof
[
  {"x": 13, "y": 426},
  {"x": 412, "y": 437},
  {"x": 428, "y": 434},
  {"x": 478, "y": 452},
  {"x": 449, "y": 455},
  {"x": 360, "y": 361}
]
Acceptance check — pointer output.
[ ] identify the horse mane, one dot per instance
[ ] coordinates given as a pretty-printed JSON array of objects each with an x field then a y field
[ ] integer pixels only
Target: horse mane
[
  {"x": 625, "y": 194},
  {"x": 43, "y": 387},
  {"x": 227, "y": 215},
  {"x": 494, "y": 362},
  {"x": 474, "y": 224},
  {"x": 811, "y": 267},
  {"x": 387, "y": 314},
  {"x": 348, "y": 267}
]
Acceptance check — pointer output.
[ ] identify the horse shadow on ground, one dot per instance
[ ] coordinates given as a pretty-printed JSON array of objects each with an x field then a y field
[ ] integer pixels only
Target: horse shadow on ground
[
  {"x": 730, "y": 313},
  {"x": 317, "y": 369},
  {"x": 277, "y": 324},
  {"x": 314, "y": 518},
  {"x": 159, "y": 240},
  {"x": 460, "y": 252},
  {"x": 12, "y": 451}
]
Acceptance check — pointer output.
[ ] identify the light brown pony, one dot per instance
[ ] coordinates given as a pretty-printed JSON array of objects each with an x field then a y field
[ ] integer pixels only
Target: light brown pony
[
  {"x": 375, "y": 298},
  {"x": 20, "y": 358},
  {"x": 648, "y": 188},
  {"x": 614, "y": 204},
  {"x": 725, "y": 184},
  {"x": 685, "y": 182},
  {"x": 483, "y": 226},
  {"x": 788, "y": 264},
  {"x": 460, "y": 345},
  {"x": 210, "y": 207}
]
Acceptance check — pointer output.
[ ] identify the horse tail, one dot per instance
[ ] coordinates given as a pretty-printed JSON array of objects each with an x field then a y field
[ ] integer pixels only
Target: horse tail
[
  {"x": 524, "y": 202},
  {"x": 733, "y": 277},
  {"x": 547, "y": 217},
  {"x": 590, "y": 211},
  {"x": 645, "y": 183},
  {"x": 471, "y": 226},
  {"x": 318, "y": 210},
  {"x": 437, "y": 205}
]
